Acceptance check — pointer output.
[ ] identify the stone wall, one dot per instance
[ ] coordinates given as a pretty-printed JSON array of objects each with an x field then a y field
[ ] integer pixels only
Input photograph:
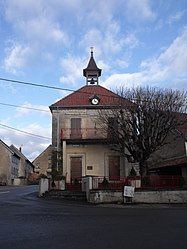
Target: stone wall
[
  {"x": 105, "y": 196},
  {"x": 43, "y": 161},
  {"x": 5, "y": 164},
  {"x": 162, "y": 196}
]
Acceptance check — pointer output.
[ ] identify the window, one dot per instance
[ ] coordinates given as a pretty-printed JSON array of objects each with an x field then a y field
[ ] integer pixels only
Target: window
[
  {"x": 76, "y": 128},
  {"x": 112, "y": 128},
  {"x": 92, "y": 78}
]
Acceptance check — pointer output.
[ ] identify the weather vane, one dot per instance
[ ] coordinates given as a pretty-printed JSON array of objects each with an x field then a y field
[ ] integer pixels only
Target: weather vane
[{"x": 91, "y": 50}]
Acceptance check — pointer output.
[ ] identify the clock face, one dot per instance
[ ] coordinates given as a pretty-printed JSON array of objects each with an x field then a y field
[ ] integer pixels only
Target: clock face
[{"x": 95, "y": 101}]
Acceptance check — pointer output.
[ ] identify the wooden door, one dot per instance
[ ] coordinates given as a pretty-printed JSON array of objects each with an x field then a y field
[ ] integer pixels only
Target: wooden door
[
  {"x": 76, "y": 169},
  {"x": 114, "y": 167}
]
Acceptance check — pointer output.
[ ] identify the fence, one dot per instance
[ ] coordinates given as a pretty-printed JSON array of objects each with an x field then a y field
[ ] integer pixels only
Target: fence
[
  {"x": 153, "y": 182},
  {"x": 147, "y": 182},
  {"x": 162, "y": 181}
]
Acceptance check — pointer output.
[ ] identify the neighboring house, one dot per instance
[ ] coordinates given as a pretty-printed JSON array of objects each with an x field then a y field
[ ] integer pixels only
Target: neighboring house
[
  {"x": 43, "y": 162},
  {"x": 7, "y": 165},
  {"x": 14, "y": 166},
  {"x": 171, "y": 159},
  {"x": 25, "y": 166},
  {"x": 82, "y": 147}
]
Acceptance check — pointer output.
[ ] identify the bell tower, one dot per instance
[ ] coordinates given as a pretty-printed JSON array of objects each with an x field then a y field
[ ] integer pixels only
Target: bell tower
[{"x": 92, "y": 72}]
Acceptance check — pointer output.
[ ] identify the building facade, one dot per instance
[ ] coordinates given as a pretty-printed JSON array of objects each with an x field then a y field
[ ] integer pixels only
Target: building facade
[
  {"x": 43, "y": 162},
  {"x": 171, "y": 159},
  {"x": 14, "y": 166},
  {"x": 81, "y": 146},
  {"x": 6, "y": 164},
  {"x": 21, "y": 167}
]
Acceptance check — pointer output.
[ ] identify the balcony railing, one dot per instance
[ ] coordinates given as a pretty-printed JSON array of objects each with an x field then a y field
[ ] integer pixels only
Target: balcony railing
[{"x": 86, "y": 133}]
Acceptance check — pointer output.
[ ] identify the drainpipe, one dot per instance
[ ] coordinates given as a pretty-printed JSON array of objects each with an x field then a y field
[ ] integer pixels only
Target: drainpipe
[{"x": 58, "y": 138}]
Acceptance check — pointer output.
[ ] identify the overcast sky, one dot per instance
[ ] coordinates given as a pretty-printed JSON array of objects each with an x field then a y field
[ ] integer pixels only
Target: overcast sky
[{"x": 136, "y": 42}]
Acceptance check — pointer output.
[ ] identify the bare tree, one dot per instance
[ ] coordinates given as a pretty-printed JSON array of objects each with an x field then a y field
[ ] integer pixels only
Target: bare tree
[{"x": 140, "y": 120}]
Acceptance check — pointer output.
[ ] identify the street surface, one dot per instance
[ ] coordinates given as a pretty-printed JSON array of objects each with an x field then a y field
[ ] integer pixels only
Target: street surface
[{"x": 27, "y": 222}]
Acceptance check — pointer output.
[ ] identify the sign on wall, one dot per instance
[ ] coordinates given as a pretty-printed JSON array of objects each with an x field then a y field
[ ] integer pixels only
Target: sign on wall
[{"x": 128, "y": 191}]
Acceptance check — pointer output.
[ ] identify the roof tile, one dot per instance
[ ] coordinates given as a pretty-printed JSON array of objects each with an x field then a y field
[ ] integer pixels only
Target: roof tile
[{"x": 81, "y": 97}]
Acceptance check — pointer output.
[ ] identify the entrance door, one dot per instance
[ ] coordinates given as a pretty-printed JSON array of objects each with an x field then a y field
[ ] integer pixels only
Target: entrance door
[
  {"x": 76, "y": 169},
  {"x": 114, "y": 167}
]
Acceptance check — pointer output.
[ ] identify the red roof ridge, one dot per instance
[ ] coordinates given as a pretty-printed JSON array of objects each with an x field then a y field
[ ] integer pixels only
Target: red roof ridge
[{"x": 81, "y": 97}]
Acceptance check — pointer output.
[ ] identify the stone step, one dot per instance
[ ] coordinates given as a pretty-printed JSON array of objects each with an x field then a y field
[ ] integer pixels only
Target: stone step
[{"x": 67, "y": 194}]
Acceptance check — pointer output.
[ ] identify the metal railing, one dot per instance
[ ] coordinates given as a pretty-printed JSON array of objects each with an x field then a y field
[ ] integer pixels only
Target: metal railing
[
  {"x": 147, "y": 182},
  {"x": 162, "y": 181},
  {"x": 153, "y": 182},
  {"x": 83, "y": 133},
  {"x": 111, "y": 183}
]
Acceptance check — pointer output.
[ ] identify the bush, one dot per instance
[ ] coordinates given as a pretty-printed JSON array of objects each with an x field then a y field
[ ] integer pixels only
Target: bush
[
  {"x": 105, "y": 182},
  {"x": 42, "y": 176},
  {"x": 132, "y": 172},
  {"x": 57, "y": 175}
]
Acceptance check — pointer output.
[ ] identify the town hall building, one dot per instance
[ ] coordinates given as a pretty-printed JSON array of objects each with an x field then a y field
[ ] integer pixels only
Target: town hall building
[{"x": 82, "y": 148}]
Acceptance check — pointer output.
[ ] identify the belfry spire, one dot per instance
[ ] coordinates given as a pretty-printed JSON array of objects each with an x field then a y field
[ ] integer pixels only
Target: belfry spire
[{"x": 92, "y": 72}]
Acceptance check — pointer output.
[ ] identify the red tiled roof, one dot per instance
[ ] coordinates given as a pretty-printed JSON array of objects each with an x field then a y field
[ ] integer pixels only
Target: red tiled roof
[{"x": 81, "y": 97}]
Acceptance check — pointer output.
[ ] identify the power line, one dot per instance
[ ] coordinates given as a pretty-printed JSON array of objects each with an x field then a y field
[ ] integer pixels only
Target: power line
[
  {"x": 25, "y": 132},
  {"x": 23, "y": 107},
  {"x": 53, "y": 87},
  {"x": 64, "y": 89},
  {"x": 36, "y": 84},
  {"x": 35, "y": 109}
]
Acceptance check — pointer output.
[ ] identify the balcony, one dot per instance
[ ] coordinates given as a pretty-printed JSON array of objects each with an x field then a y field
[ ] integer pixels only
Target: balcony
[{"x": 87, "y": 135}]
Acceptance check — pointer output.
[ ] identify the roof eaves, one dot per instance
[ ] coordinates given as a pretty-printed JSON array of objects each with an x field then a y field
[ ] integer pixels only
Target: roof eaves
[
  {"x": 6, "y": 146},
  {"x": 42, "y": 153}
]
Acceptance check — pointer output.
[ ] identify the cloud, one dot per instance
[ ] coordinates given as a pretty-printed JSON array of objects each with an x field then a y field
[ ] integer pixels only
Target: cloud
[
  {"x": 122, "y": 63},
  {"x": 176, "y": 17},
  {"x": 173, "y": 61},
  {"x": 36, "y": 30},
  {"x": 131, "y": 41},
  {"x": 28, "y": 108},
  {"x": 92, "y": 37},
  {"x": 111, "y": 42},
  {"x": 16, "y": 58},
  {"x": 170, "y": 68},
  {"x": 35, "y": 23},
  {"x": 128, "y": 80},
  {"x": 105, "y": 9},
  {"x": 28, "y": 143},
  {"x": 72, "y": 67},
  {"x": 139, "y": 10},
  {"x": 35, "y": 20},
  {"x": 104, "y": 66},
  {"x": 43, "y": 29}
]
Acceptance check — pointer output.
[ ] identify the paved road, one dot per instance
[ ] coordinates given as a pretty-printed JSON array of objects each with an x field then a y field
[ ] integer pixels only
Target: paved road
[{"x": 27, "y": 222}]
